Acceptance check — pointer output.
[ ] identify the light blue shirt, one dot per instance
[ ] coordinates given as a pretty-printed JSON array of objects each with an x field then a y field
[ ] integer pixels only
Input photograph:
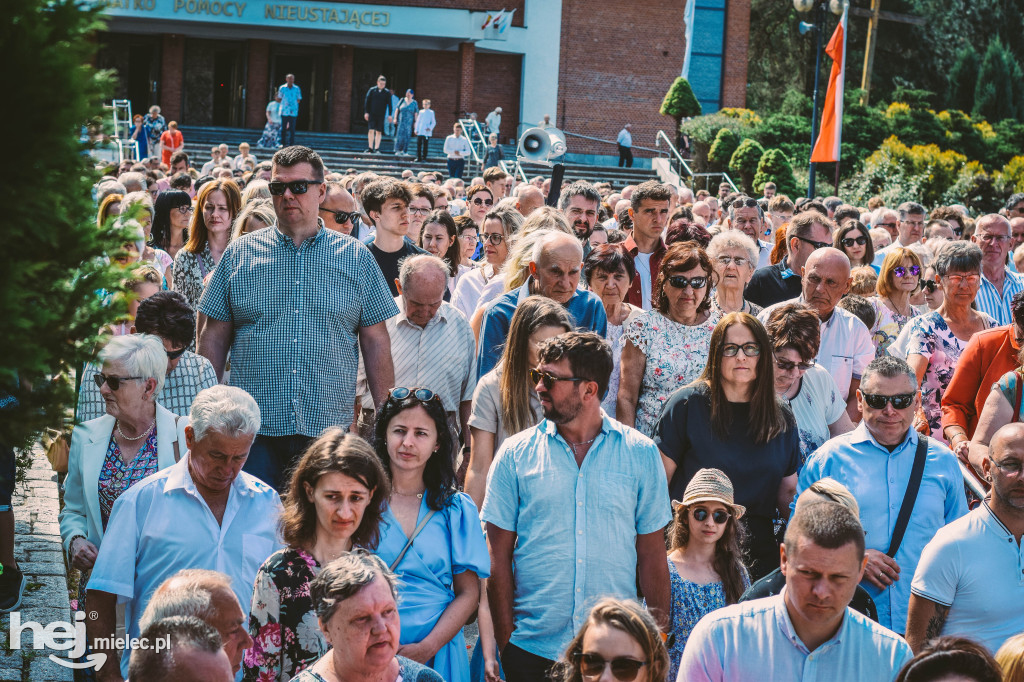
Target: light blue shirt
[
  {"x": 162, "y": 525},
  {"x": 290, "y": 98},
  {"x": 577, "y": 526},
  {"x": 755, "y": 640},
  {"x": 989, "y": 300},
  {"x": 878, "y": 480},
  {"x": 625, "y": 138}
]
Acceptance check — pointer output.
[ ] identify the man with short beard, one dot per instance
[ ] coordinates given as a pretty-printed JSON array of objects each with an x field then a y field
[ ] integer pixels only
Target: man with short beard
[{"x": 580, "y": 203}]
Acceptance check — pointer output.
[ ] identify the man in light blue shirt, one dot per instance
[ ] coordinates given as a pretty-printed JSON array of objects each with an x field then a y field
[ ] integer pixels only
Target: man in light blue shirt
[
  {"x": 203, "y": 512},
  {"x": 998, "y": 284},
  {"x": 625, "y": 143},
  {"x": 808, "y": 631},
  {"x": 291, "y": 95},
  {"x": 874, "y": 462},
  {"x": 578, "y": 504}
]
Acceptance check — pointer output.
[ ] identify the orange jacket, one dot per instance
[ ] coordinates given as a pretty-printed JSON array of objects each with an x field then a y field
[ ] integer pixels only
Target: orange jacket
[{"x": 988, "y": 356}]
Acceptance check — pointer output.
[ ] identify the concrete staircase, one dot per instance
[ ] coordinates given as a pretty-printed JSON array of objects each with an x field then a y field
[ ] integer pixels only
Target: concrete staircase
[{"x": 344, "y": 152}]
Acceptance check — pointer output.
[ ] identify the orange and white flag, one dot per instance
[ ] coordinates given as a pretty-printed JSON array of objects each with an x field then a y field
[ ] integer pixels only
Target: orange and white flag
[{"x": 826, "y": 148}]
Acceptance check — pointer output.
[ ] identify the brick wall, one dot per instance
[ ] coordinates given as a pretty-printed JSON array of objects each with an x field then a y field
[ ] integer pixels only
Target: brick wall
[
  {"x": 496, "y": 83},
  {"x": 341, "y": 88},
  {"x": 464, "y": 83},
  {"x": 437, "y": 74},
  {"x": 734, "y": 68},
  {"x": 256, "y": 91},
  {"x": 171, "y": 70},
  {"x": 615, "y": 67}
]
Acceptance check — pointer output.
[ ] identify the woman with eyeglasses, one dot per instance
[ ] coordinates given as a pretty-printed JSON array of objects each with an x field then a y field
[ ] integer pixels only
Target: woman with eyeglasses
[
  {"x": 733, "y": 255},
  {"x": 854, "y": 240},
  {"x": 808, "y": 388},
  {"x": 618, "y": 641},
  {"x": 497, "y": 236},
  {"x": 935, "y": 340},
  {"x": 898, "y": 279},
  {"x": 469, "y": 240},
  {"x": 172, "y": 213},
  {"x": 208, "y": 235},
  {"x": 667, "y": 347},
  {"x": 137, "y": 437},
  {"x": 431, "y": 535},
  {"x": 479, "y": 201},
  {"x": 705, "y": 560},
  {"x": 731, "y": 419},
  {"x": 420, "y": 207}
]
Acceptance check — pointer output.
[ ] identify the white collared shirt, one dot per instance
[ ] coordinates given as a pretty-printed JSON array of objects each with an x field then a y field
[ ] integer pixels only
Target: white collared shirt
[{"x": 162, "y": 525}]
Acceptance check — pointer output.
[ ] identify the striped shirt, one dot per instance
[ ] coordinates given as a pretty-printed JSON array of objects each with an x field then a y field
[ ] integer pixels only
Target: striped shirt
[
  {"x": 440, "y": 356},
  {"x": 989, "y": 301},
  {"x": 192, "y": 374},
  {"x": 296, "y": 313}
]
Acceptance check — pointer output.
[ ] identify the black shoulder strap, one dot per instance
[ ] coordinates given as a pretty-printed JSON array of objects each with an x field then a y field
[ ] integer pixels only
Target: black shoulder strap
[{"x": 914, "y": 485}]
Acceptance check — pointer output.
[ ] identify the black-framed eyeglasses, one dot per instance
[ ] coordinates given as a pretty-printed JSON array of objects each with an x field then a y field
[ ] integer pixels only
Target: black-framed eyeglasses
[
  {"x": 185, "y": 210},
  {"x": 1012, "y": 469},
  {"x": 112, "y": 381},
  {"x": 900, "y": 271},
  {"x": 877, "y": 401},
  {"x": 340, "y": 217},
  {"x": 681, "y": 282},
  {"x": 789, "y": 365},
  {"x": 850, "y": 241},
  {"x": 424, "y": 395},
  {"x": 483, "y": 202},
  {"x": 731, "y": 350},
  {"x": 816, "y": 245},
  {"x": 548, "y": 379},
  {"x": 175, "y": 354},
  {"x": 719, "y": 516},
  {"x": 929, "y": 285},
  {"x": 494, "y": 238},
  {"x": 277, "y": 187},
  {"x": 623, "y": 667}
]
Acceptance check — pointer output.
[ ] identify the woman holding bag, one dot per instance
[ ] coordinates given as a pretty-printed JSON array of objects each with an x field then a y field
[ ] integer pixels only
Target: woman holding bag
[{"x": 430, "y": 533}]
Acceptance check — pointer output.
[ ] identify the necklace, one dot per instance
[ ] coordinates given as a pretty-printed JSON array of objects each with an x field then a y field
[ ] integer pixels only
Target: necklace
[
  {"x": 139, "y": 437},
  {"x": 897, "y": 310},
  {"x": 576, "y": 445},
  {"x": 418, "y": 496}
]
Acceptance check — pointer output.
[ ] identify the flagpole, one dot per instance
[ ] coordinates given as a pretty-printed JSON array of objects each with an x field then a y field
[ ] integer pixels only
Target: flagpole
[{"x": 819, "y": 22}]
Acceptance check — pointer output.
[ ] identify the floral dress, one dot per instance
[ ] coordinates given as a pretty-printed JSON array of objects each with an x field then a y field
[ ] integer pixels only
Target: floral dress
[
  {"x": 282, "y": 622},
  {"x": 676, "y": 355},
  {"x": 690, "y": 603},
  {"x": 930, "y": 337},
  {"x": 116, "y": 476},
  {"x": 190, "y": 271},
  {"x": 403, "y": 129},
  {"x": 888, "y": 324}
]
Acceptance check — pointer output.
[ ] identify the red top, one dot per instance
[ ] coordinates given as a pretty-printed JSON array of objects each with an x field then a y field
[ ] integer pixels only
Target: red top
[
  {"x": 988, "y": 356},
  {"x": 170, "y": 139},
  {"x": 634, "y": 296}
]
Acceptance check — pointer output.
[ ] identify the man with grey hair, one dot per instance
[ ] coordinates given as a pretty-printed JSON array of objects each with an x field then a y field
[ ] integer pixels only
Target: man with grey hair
[
  {"x": 889, "y": 220},
  {"x": 528, "y": 199},
  {"x": 194, "y": 654},
  {"x": 580, "y": 203},
  {"x": 554, "y": 272},
  {"x": 432, "y": 344},
  {"x": 202, "y": 512},
  {"x": 206, "y": 595},
  {"x": 998, "y": 284},
  {"x": 747, "y": 216},
  {"x": 907, "y": 485},
  {"x": 214, "y": 162},
  {"x": 133, "y": 182},
  {"x": 909, "y": 231}
]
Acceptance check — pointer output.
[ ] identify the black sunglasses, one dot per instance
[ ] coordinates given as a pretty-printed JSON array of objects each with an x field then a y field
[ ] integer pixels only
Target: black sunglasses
[
  {"x": 680, "y": 282},
  {"x": 112, "y": 381},
  {"x": 900, "y": 271},
  {"x": 494, "y": 238},
  {"x": 930, "y": 285},
  {"x": 424, "y": 395},
  {"x": 720, "y": 516},
  {"x": 900, "y": 401},
  {"x": 549, "y": 379},
  {"x": 483, "y": 202},
  {"x": 850, "y": 241},
  {"x": 175, "y": 354},
  {"x": 341, "y": 217},
  {"x": 789, "y": 365},
  {"x": 816, "y": 245},
  {"x": 277, "y": 187},
  {"x": 623, "y": 668}
]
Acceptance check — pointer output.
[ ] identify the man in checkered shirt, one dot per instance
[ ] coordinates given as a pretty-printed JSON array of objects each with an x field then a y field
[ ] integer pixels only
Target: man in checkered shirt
[{"x": 294, "y": 304}]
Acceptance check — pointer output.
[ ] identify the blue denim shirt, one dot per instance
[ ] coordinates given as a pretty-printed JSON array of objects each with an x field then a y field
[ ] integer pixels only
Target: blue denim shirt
[
  {"x": 577, "y": 525},
  {"x": 878, "y": 480}
]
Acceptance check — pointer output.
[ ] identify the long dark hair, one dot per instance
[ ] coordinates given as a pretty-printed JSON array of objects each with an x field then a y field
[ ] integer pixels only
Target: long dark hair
[
  {"x": 165, "y": 203},
  {"x": 335, "y": 451},
  {"x": 452, "y": 257},
  {"x": 439, "y": 474},
  {"x": 728, "y": 560},
  {"x": 766, "y": 417}
]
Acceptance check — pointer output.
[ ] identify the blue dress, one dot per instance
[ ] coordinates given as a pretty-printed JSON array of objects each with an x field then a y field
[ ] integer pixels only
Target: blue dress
[
  {"x": 403, "y": 129},
  {"x": 452, "y": 542}
]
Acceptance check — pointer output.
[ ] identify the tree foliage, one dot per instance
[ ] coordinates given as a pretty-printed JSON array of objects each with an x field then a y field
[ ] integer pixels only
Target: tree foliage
[
  {"x": 680, "y": 102},
  {"x": 775, "y": 167},
  {"x": 53, "y": 263},
  {"x": 726, "y": 142},
  {"x": 963, "y": 79},
  {"x": 1000, "y": 91},
  {"x": 744, "y": 162}
]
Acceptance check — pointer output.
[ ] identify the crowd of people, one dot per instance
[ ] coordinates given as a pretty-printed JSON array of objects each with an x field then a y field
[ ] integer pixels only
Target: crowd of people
[{"x": 634, "y": 434}]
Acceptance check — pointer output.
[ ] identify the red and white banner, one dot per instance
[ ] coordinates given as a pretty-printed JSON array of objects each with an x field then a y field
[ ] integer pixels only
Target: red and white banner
[{"x": 826, "y": 148}]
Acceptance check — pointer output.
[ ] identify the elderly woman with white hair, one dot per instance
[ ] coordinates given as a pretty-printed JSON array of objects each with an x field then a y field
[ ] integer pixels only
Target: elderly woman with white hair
[
  {"x": 109, "y": 454},
  {"x": 734, "y": 256}
]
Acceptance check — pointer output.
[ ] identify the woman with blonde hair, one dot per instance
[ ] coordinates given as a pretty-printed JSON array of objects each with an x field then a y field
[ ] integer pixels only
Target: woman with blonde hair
[
  {"x": 255, "y": 215},
  {"x": 110, "y": 207},
  {"x": 597, "y": 650},
  {"x": 898, "y": 279},
  {"x": 498, "y": 235},
  {"x": 1010, "y": 658},
  {"x": 209, "y": 233}
]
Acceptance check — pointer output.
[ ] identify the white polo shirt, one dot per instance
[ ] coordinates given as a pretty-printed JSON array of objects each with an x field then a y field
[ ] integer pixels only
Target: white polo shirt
[{"x": 975, "y": 567}]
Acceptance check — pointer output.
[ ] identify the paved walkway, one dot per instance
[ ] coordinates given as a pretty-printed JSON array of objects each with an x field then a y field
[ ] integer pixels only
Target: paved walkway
[{"x": 39, "y": 554}]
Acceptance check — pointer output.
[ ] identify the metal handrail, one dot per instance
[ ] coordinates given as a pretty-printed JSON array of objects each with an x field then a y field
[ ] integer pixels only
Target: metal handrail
[
  {"x": 614, "y": 142},
  {"x": 469, "y": 124},
  {"x": 679, "y": 157},
  {"x": 513, "y": 168}
]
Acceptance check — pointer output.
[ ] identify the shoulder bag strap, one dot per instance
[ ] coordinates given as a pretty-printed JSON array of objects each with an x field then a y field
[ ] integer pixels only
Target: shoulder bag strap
[
  {"x": 401, "y": 555},
  {"x": 177, "y": 451},
  {"x": 1019, "y": 381},
  {"x": 916, "y": 474}
]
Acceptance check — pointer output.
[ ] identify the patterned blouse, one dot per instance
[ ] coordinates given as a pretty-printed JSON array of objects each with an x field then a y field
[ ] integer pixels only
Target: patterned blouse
[
  {"x": 282, "y": 623},
  {"x": 888, "y": 324},
  {"x": 116, "y": 476},
  {"x": 189, "y": 272},
  {"x": 676, "y": 355}
]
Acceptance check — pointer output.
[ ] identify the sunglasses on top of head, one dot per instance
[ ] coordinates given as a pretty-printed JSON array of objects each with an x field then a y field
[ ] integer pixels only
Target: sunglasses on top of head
[
  {"x": 278, "y": 187},
  {"x": 424, "y": 395}
]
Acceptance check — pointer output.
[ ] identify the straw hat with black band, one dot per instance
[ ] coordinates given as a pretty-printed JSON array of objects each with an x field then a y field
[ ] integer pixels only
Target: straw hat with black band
[{"x": 710, "y": 485}]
